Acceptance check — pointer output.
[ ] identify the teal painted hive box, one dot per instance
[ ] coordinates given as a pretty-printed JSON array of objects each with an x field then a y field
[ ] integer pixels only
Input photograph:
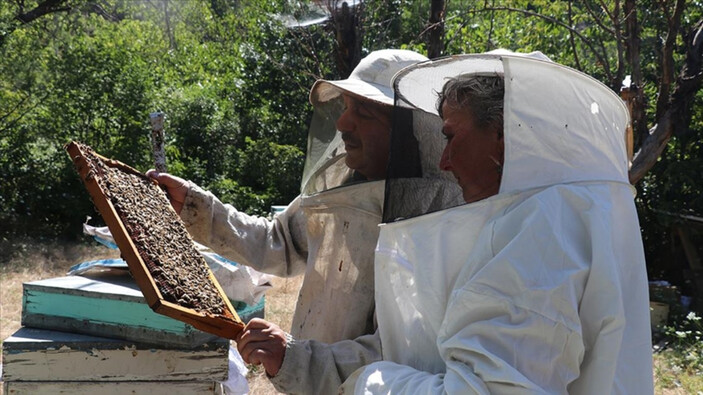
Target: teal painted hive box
[{"x": 109, "y": 306}]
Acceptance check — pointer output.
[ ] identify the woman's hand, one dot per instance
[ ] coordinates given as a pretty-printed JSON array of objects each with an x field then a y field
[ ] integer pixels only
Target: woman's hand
[{"x": 175, "y": 186}]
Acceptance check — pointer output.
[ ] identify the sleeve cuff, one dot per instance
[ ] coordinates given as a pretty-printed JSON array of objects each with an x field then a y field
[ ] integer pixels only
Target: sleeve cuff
[{"x": 287, "y": 374}]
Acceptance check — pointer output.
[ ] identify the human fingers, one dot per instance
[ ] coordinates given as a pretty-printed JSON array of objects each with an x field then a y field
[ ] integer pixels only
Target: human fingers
[
  {"x": 260, "y": 323},
  {"x": 246, "y": 336},
  {"x": 176, "y": 187},
  {"x": 269, "y": 353},
  {"x": 256, "y": 330},
  {"x": 166, "y": 179},
  {"x": 257, "y": 333},
  {"x": 270, "y": 359}
]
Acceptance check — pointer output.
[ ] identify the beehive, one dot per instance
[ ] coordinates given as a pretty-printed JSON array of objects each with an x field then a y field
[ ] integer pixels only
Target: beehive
[
  {"x": 174, "y": 278},
  {"x": 37, "y": 361}
]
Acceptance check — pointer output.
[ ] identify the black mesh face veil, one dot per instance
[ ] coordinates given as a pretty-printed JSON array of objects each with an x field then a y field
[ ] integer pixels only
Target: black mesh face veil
[{"x": 415, "y": 185}]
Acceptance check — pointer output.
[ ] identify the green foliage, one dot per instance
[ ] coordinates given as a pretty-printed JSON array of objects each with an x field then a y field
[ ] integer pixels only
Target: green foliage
[
  {"x": 203, "y": 136},
  {"x": 233, "y": 81},
  {"x": 272, "y": 167},
  {"x": 269, "y": 173},
  {"x": 80, "y": 76},
  {"x": 91, "y": 88}
]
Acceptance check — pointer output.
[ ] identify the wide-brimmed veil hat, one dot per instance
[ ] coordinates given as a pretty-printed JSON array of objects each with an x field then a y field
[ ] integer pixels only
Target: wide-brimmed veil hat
[
  {"x": 325, "y": 167},
  {"x": 371, "y": 78}
]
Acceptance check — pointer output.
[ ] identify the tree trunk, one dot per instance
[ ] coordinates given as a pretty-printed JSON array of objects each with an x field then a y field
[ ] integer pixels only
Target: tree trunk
[
  {"x": 638, "y": 101},
  {"x": 348, "y": 36},
  {"x": 435, "y": 31},
  {"x": 169, "y": 31}
]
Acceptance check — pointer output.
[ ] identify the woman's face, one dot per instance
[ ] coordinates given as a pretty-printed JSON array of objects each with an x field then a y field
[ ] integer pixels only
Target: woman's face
[
  {"x": 365, "y": 128},
  {"x": 472, "y": 154}
]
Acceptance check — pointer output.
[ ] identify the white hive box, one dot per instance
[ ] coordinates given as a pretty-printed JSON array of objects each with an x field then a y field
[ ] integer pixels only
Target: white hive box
[{"x": 39, "y": 361}]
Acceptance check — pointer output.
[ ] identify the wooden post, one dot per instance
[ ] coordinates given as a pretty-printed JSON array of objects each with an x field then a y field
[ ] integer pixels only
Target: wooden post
[{"x": 157, "y": 141}]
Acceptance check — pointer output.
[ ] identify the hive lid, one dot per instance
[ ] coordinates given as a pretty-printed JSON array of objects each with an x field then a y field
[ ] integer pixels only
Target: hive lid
[{"x": 174, "y": 278}]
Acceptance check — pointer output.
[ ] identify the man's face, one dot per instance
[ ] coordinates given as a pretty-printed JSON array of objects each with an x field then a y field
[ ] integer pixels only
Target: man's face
[
  {"x": 365, "y": 128},
  {"x": 472, "y": 154}
]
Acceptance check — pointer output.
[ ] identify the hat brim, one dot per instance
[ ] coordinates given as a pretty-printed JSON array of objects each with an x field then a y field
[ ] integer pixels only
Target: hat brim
[
  {"x": 323, "y": 91},
  {"x": 418, "y": 86}
]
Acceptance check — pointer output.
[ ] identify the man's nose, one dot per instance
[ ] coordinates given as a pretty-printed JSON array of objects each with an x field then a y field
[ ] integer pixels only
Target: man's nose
[{"x": 345, "y": 122}]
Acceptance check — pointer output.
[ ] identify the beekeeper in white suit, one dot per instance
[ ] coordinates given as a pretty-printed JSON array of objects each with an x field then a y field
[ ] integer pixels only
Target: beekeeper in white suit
[
  {"x": 328, "y": 233},
  {"x": 538, "y": 284}
]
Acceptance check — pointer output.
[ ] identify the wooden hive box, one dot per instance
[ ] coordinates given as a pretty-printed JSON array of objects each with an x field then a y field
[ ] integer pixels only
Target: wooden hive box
[
  {"x": 37, "y": 361},
  {"x": 110, "y": 306},
  {"x": 174, "y": 278}
]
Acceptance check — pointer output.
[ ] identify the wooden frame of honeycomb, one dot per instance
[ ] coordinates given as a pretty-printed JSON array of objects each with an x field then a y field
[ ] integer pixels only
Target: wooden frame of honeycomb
[{"x": 173, "y": 276}]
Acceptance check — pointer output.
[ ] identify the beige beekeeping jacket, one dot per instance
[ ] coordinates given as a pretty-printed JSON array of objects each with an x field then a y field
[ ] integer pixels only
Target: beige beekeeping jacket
[{"x": 329, "y": 237}]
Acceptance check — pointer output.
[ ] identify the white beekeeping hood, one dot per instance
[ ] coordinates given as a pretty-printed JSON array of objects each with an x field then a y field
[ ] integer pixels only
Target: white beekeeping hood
[
  {"x": 542, "y": 287},
  {"x": 560, "y": 125}
]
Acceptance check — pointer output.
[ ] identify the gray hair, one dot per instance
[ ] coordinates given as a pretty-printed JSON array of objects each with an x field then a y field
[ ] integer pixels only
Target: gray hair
[{"x": 480, "y": 94}]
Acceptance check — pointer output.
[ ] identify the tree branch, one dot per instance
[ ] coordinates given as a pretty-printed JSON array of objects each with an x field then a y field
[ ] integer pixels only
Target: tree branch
[
  {"x": 572, "y": 41},
  {"x": 19, "y": 104},
  {"x": 667, "y": 73},
  {"x": 43, "y": 8},
  {"x": 677, "y": 117},
  {"x": 99, "y": 10},
  {"x": 50, "y": 7},
  {"x": 12, "y": 122},
  {"x": 602, "y": 59},
  {"x": 598, "y": 20}
]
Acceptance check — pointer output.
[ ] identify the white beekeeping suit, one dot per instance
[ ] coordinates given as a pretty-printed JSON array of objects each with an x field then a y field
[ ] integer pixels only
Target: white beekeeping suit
[
  {"x": 329, "y": 232},
  {"x": 541, "y": 288}
]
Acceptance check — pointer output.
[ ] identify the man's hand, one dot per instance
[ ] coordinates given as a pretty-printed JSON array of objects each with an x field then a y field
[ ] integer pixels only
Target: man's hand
[
  {"x": 263, "y": 343},
  {"x": 175, "y": 186}
]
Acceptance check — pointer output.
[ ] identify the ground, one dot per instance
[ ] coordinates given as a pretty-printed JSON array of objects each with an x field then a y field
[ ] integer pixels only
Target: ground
[{"x": 32, "y": 261}]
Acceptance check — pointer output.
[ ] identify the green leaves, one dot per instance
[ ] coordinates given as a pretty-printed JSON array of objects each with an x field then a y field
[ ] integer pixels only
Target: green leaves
[{"x": 233, "y": 81}]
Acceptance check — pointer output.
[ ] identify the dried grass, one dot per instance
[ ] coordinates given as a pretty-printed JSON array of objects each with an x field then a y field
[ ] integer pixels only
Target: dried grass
[
  {"x": 280, "y": 304},
  {"x": 31, "y": 261}
]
